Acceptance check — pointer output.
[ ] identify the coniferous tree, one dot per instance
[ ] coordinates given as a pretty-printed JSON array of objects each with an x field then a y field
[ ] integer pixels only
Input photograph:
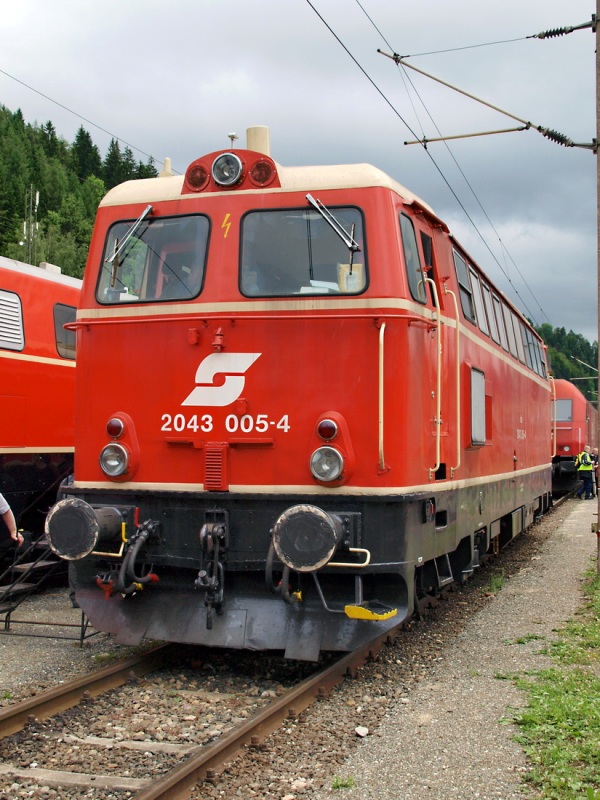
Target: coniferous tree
[
  {"x": 147, "y": 170},
  {"x": 128, "y": 164},
  {"x": 85, "y": 155},
  {"x": 113, "y": 171},
  {"x": 50, "y": 140}
]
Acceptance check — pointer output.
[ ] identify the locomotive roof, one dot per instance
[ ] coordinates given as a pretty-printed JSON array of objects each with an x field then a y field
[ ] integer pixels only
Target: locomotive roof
[
  {"x": 38, "y": 272},
  {"x": 293, "y": 179}
]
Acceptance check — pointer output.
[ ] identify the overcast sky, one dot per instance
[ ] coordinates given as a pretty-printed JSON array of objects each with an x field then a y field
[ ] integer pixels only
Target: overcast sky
[{"x": 174, "y": 79}]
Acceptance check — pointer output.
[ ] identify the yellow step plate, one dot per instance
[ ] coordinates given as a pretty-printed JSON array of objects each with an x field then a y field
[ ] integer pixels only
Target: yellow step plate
[{"x": 372, "y": 611}]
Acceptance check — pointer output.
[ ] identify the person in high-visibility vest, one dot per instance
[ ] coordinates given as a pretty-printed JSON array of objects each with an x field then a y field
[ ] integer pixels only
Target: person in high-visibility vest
[{"x": 585, "y": 468}]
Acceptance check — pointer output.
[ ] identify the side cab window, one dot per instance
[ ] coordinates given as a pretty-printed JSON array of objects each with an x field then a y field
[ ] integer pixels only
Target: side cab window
[
  {"x": 481, "y": 409},
  {"x": 464, "y": 285},
  {"x": 65, "y": 340},
  {"x": 414, "y": 268},
  {"x": 478, "y": 298}
]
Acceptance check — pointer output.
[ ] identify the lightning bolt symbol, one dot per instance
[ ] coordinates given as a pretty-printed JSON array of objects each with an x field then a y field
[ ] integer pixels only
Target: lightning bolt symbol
[{"x": 226, "y": 224}]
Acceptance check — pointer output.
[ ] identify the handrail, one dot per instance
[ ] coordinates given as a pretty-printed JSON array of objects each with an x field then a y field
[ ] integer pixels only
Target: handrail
[
  {"x": 365, "y": 563},
  {"x": 380, "y": 414},
  {"x": 554, "y": 420},
  {"x": 438, "y": 383},
  {"x": 237, "y": 316},
  {"x": 458, "y": 394}
]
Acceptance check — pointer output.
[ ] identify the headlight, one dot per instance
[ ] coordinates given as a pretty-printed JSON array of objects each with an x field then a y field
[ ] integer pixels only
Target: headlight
[
  {"x": 326, "y": 464},
  {"x": 227, "y": 169},
  {"x": 114, "y": 460}
]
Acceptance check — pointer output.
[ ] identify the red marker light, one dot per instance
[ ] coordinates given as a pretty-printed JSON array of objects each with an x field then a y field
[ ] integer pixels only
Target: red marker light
[
  {"x": 115, "y": 427},
  {"x": 262, "y": 172},
  {"x": 196, "y": 177},
  {"x": 327, "y": 429}
]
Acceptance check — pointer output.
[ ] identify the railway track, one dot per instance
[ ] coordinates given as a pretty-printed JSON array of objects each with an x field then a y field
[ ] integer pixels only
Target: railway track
[{"x": 36, "y": 718}]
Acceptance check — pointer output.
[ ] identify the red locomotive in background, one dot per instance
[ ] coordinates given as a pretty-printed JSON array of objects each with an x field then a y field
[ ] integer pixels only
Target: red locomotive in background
[
  {"x": 37, "y": 363},
  {"x": 301, "y": 407},
  {"x": 575, "y": 424}
]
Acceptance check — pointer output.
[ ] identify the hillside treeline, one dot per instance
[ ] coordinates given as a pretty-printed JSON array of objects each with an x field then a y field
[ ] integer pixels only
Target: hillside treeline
[
  {"x": 50, "y": 190},
  {"x": 68, "y": 181},
  {"x": 571, "y": 356}
]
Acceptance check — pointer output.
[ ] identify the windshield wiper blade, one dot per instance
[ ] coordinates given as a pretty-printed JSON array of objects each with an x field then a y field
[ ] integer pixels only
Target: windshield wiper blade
[
  {"x": 347, "y": 238},
  {"x": 128, "y": 235}
]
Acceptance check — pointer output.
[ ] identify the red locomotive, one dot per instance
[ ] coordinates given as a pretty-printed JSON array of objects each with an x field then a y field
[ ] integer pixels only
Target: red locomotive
[
  {"x": 575, "y": 424},
  {"x": 37, "y": 362},
  {"x": 300, "y": 408}
]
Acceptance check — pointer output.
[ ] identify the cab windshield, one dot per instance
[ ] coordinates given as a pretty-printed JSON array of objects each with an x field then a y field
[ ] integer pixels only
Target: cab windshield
[
  {"x": 164, "y": 259},
  {"x": 296, "y": 252}
]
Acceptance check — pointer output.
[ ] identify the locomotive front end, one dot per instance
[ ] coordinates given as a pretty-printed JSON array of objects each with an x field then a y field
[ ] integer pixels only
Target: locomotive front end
[
  {"x": 214, "y": 498},
  {"x": 301, "y": 409}
]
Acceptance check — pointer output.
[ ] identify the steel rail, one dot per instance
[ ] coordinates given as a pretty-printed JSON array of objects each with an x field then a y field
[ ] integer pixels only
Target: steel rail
[
  {"x": 15, "y": 717},
  {"x": 177, "y": 784}
]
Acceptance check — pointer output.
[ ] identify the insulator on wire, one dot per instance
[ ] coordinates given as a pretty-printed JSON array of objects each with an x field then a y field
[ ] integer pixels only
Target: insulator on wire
[
  {"x": 557, "y": 137},
  {"x": 553, "y": 33}
]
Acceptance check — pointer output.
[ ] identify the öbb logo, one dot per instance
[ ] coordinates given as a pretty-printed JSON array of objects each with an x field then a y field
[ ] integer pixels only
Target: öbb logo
[{"x": 233, "y": 366}]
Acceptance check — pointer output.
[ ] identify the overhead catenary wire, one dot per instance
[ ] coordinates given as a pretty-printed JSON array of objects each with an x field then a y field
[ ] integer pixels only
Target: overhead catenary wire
[
  {"x": 475, "y": 227},
  {"x": 553, "y": 135},
  {"x": 468, "y": 183},
  {"x": 554, "y": 32},
  {"x": 435, "y": 164},
  {"x": 548, "y": 133}
]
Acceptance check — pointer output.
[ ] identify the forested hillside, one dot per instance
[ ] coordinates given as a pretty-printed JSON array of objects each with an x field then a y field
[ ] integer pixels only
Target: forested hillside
[
  {"x": 571, "y": 356},
  {"x": 68, "y": 181},
  {"x": 50, "y": 189}
]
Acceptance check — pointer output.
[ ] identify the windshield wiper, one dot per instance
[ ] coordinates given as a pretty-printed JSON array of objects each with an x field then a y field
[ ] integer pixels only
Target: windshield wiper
[
  {"x": 347, "y": 238},
  {"x": 119, "y": 247},
  {"x": 128, "y": 235}
]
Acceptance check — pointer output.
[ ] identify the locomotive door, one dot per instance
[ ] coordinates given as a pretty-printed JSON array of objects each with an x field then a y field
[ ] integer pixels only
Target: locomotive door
[{"x": 426, "y": 288}]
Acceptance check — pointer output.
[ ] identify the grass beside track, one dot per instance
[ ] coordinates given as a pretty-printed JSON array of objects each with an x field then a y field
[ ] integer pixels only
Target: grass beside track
[{"x": 559, "y": 729}]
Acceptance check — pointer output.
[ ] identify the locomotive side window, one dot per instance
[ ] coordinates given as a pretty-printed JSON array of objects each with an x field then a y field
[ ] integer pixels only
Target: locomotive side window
[
  {"x": 296, "y": 252},
  {"x": 528, "y": 348},
  {"x": 541, "y": 358},
  {"x": 500, "y": 319},
  {"x": 510, "y": 331},
  {"x": 478, "y": 427},
  {"x": 464, "y": 284},
  {"x": 564, "y": 410},
  {"x": 65, "y": 340},
  {"x": 533, "y": 351},
  {"x": 478, "y": 302},
  {"x": 12, "y": 336},
  {"x": 163, "y": 260},
  {"x": 487, "y": 300},
  {"x": 427, "y": 245},
  {"x": 414, "y": 270},
  {"x": 518, "y": 339}
]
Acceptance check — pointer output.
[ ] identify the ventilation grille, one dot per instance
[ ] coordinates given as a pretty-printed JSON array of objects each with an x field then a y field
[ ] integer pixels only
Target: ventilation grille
[
  {"x": 11, "y": 321},
  {"x": 216, "y": 467}
]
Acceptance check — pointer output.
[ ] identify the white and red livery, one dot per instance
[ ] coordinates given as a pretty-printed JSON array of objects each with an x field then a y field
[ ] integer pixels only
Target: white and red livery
[{"x": 301, "y": 407}]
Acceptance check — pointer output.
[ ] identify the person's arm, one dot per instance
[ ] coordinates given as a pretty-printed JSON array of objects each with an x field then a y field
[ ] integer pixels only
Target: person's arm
[{"x": 11, "y": 524}]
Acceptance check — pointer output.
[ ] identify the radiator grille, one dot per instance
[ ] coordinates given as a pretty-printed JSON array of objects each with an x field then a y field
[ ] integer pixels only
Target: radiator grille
[
  {"x": 11, "y": 321},
  {"x": 216, "y": 467}
]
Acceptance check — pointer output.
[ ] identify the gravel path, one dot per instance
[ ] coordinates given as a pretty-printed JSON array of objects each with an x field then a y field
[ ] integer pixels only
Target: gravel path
[{"x": 445, "y": 740}]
